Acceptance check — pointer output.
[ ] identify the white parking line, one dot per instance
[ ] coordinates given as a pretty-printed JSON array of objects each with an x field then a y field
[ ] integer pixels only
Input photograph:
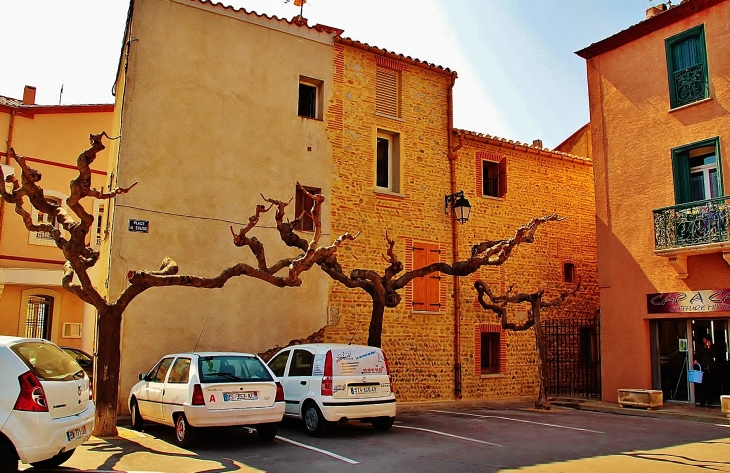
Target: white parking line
[
  {"x": 723, "y": 425},
  {"x": 449, "y": 435},
  {"x": 520, "y": 420},
  {"x": 333, "y": 455}
]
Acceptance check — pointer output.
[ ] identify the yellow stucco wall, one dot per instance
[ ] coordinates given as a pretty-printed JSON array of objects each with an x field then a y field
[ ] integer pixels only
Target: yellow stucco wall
[
  {"x": 51, "y": 138},
  {"x": 210, "y": 122},
  {"x": 634, "y": 132}
]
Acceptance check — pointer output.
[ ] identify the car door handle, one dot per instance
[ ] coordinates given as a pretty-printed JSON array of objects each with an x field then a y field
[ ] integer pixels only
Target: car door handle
[{"x": 303, "y": 383}]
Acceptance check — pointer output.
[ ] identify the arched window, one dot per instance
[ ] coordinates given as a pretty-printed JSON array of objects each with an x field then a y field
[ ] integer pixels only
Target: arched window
[{"x": 38, "y": 322}]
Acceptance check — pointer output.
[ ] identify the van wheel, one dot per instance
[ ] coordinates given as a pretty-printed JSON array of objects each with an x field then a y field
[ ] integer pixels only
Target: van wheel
[
  {"x": 8, "y": 457},
  {"x": 184, "y": 432},
  {"x": 267, "y": 432},
  {"x": 314, "y": 420},
  {"x": 54, "y": 461},
  {"x": 137, "y": 420},
  {"x": 383, "y": 423}
]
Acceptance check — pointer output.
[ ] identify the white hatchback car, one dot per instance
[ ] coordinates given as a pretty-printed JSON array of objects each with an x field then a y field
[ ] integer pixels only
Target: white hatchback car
[
  {"x": 192, "y": 390},
  {"x": 325, "y": 382},
  {"x": 45, "y": 406}
]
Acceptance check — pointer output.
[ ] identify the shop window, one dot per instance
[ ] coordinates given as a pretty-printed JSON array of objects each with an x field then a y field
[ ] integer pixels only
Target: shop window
[
  {"x": 697, "y": 171},
  {"x": 387, "y": 161},
  {"x": 426, "y": 289},
  {"x": 687, "y": 67},
  {"x": 302, "y": 203}
]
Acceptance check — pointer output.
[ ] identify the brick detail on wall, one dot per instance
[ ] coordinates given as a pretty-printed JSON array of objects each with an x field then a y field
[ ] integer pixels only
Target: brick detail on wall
[
  {"x": 489, "y": 328},
  {"x": 388, "y": 63}
]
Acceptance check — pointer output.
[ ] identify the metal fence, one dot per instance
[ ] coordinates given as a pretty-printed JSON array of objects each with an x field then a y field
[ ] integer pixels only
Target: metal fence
[{"x": 573, "y": 365}]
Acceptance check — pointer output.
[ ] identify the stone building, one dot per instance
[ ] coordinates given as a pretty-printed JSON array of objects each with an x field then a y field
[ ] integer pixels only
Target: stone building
[
  {"x": 32, "y": 301},
  {"x": 216, "y": 106},
  {"x": 659, "y": 137}
]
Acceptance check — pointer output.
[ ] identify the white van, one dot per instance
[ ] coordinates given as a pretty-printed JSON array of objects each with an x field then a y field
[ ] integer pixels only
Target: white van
[{"x": 327, "y": 382}]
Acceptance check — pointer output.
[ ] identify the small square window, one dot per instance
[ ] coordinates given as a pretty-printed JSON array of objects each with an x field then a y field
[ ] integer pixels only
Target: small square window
[
  {"x": 310, "y": 98},
  {"x": 302, "y": 203},
  {"x": 568, "y": 272},
  {"x": 494, "y": 178},
  {"x": 71, "y": 330}
]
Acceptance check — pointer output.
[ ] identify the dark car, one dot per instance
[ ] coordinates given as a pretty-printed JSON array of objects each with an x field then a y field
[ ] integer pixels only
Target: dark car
[{"x": 84, "y": 360}]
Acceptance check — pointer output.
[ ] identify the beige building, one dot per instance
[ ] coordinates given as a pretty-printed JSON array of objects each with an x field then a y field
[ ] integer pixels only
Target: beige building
[{"x": 32, "y": 301}]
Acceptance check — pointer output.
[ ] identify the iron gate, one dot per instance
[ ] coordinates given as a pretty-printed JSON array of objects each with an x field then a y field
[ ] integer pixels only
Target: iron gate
[{"x": 573, "y": 365}]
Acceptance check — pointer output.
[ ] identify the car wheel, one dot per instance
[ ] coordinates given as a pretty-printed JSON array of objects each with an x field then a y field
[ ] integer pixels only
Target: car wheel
[
  {"x": 267, "y": 432},
  {"x": 54, "y": 461},
  {"x": 383, "y": 423},
  {"x": 184, "y": 432},
  {"x": 137, "y": 420},
  {"x": 314, "y": 420},
  {"x": 8, "y": 458}
]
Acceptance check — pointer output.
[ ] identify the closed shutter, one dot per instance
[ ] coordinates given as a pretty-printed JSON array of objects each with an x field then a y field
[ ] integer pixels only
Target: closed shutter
[
  {"x": 386, "y": 92},
  {"x": 420, "y": 289},
  {"x": 680, "y": 168},
  {"x": 433, "y": 280}
]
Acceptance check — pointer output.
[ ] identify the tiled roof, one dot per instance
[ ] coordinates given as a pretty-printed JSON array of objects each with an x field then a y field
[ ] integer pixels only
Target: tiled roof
[
  {"x": 663, "y": 18},
  {"x": 505, "y": 143},
  {"x": 9, "y": 102},
  {"x": 337, "y": 35}
]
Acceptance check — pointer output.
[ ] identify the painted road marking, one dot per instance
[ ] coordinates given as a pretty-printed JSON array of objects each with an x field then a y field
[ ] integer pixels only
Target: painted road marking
[
  {"x": 723, "y": 425},
  {"x": 333, "y": 455},
  {"x": 520, "y": 420},
  {"x": 449, "y": 435}
]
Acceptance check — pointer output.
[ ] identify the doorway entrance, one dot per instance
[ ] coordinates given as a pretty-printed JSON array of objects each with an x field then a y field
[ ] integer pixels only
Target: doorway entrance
[
  {"x": 674, "y": 358},
  {"x": 710, "y": 349}
]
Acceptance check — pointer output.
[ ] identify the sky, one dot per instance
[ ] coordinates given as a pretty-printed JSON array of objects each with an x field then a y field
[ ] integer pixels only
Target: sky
[{"x": 518, "y": 76}]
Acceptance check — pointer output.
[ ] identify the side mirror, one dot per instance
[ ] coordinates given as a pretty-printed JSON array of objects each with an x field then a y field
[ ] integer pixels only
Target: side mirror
[{"x": 143, "y": 376}]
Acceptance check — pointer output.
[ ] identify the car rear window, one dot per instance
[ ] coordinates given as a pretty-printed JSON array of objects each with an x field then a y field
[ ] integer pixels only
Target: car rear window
[
  {"x": 231, "y": 369},
  {"x": 47, "y": 361}
]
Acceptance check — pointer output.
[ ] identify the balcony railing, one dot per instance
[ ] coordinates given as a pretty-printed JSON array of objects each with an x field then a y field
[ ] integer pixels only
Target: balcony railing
[{"x": 694, "y": 223}]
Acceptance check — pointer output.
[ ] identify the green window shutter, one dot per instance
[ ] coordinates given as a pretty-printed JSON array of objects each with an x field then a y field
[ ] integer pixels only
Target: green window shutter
[
  {"x": 687, "y": 67},
  {"x": 680, "y": 168}
]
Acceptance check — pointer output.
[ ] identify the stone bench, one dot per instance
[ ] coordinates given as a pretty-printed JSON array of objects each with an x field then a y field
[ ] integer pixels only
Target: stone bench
[
  {"x": 646, "y": 398},
  {"x": 725, "y": 405}
]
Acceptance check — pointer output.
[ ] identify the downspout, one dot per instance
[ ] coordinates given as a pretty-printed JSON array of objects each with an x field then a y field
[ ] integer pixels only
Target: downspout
[
  {"x": 8, "y": 145},
  {"x": 454, "y": 237}
]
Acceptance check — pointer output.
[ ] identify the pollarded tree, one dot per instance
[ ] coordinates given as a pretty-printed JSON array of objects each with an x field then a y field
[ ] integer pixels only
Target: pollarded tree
[
  {"x": 80, "y": 258},
  {"x": 383, "y": 288},
  {"x": 498, "y": 304}
]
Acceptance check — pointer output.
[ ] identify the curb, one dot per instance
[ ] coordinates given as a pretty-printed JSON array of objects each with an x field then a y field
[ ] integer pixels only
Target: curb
[{"x": 628, "y": 411}]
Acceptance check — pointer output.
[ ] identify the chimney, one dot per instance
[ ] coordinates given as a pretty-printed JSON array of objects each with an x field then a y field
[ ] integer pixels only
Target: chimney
[
  {"x": 654, "y": 11},
  {"x": 537, "y": 144},
  {"x": 29, "y": 95}
]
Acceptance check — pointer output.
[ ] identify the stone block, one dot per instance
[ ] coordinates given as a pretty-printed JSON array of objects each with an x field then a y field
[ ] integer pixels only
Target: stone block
[{"x": 646, "y": 398}]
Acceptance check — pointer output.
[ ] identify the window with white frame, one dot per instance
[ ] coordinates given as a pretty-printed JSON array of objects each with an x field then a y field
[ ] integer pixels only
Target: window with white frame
[
  {"x": 387, "y": 161},
  {"x": 45, "y": 238},
  {"x": 310, "y": 98}
]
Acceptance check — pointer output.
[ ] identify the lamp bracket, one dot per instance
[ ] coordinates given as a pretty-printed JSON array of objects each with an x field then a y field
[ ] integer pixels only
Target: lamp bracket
[{"x": 450, "y": 199}]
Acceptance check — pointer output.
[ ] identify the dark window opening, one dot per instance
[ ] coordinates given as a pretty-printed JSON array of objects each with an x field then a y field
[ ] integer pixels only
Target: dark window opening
[
  {"x": 490, "y": 179},
  {"x": 569, "y": 272},
  {"x": 307, "y": 100},
  {"x": 490, "y": 352},
  {"x": 382, "y": 173},
  {"x": 303, "y": 207}
]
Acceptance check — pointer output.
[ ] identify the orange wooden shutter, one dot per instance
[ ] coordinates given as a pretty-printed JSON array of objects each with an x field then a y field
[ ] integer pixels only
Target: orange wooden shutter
[
  {"x": 420, "y": 289},
  {"x": 433, "y": 280}
]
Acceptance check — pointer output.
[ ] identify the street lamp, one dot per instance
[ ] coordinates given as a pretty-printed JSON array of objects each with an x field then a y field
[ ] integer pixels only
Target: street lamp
[{"x": 461, "y": 206}]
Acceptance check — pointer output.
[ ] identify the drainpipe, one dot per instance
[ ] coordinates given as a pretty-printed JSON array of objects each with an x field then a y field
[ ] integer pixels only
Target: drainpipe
[
  {"x": 8, "y": 145},
  {"x": 454, "y": 238}
]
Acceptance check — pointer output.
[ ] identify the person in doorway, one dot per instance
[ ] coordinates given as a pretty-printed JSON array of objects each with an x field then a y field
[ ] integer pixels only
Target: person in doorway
[{"x": 705, "y": 358}]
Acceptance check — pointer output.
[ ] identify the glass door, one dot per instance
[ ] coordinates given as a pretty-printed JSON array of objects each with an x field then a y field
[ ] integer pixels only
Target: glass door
[
  {"x": 710, "y": 349},
  {"x": 674, "y": 359}
]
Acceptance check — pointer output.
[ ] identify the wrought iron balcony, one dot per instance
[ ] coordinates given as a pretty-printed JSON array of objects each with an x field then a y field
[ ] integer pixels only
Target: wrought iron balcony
[{"x": 695, "y": 223}]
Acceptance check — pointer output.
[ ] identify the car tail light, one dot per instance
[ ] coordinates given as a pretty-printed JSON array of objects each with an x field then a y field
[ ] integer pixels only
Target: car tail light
[
  {"x": 327, "y": 378},
  {"x": 198, "y": 399},
  {"x": 32, "y": 397},
  {"x": 279, "y": 392},
  {"x": 387, "y": 370}
]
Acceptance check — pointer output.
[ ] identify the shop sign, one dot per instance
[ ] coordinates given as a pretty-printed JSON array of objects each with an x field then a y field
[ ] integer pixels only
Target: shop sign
[{"x": 691, "y": 301}]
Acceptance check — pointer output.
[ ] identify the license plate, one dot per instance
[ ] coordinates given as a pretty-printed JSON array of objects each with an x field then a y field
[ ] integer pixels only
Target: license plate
[
  {"x": 76, "y": 433},
  {"x": 363, "y": 389},
  {"x": 244, "y": 396}
]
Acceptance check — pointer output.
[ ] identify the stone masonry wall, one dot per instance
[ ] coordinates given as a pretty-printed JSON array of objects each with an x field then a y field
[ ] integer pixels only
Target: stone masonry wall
[{"x": 420, "y": 346}]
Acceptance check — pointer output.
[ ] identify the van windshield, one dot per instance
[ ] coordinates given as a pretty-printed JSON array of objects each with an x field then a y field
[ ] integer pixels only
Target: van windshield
[
  {"x": 231, "y": 369},
  {"x": 48, "y": 362},
  {"x": 358, "y": 361}
]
